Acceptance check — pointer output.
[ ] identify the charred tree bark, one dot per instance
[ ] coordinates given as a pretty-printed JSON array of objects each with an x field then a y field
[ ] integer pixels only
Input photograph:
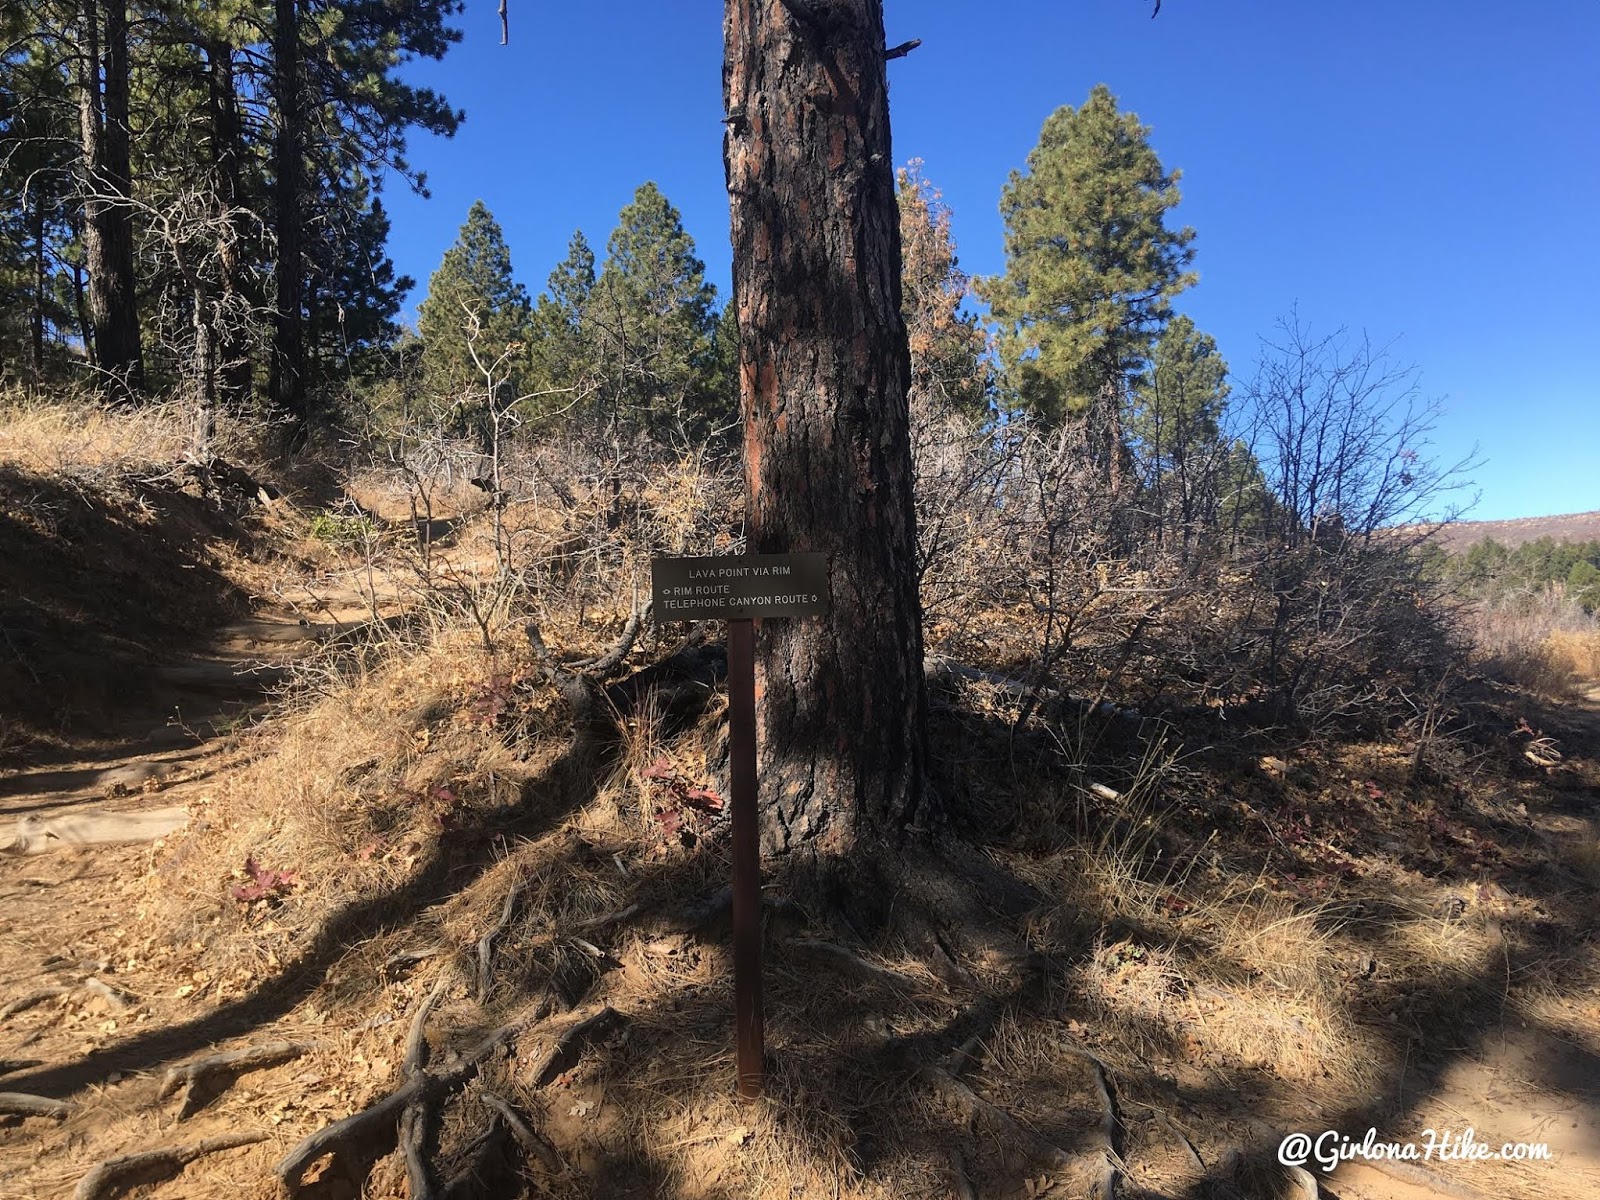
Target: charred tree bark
[
  {"x": 823, "y": 372},
  {"x": 106, "y": 177},
  {"x": 286, "y": 376}
]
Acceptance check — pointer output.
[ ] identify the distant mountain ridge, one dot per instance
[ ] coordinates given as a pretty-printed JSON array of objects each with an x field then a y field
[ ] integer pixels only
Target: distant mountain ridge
[{"x": 1566, "y": 527}]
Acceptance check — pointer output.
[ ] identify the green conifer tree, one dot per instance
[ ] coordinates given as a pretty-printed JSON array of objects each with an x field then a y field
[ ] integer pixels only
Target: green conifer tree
[
  {"x": 1091, "y": 267},
  {"x": 475, "y": 314},
  {"x": 652, "y": 319},
  {"x": 560, "y": 356}
]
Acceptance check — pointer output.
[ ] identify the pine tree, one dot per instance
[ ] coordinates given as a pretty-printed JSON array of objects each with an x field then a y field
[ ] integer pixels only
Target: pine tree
[
  {"x": 1175, "y": 425},
  {"x": 652, "y": 318},
  {"x": 1177, "y": 406},
  {"x": 474, "y": 307},
  {"x": 948, "y": 364},
  {"x": 1091, "y": 267},
  {"x": 354, "y": 293},
  {"x": 559, "y": 353}
]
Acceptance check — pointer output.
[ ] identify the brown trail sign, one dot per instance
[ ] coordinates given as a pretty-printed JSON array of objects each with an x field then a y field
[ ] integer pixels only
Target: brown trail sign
[{"x": 737, "y": 589}]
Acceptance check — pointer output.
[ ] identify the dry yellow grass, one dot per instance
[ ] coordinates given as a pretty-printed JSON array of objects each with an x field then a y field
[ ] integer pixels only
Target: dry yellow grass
[{"x": 73, "y": 436}]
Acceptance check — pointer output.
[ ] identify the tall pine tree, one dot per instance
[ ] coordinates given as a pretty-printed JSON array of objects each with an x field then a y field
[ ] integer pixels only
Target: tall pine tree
[
  {"x": 1091, "y": 269},
  {"x": 475, "y": 314},
  {"x": 652, "y": 319}
]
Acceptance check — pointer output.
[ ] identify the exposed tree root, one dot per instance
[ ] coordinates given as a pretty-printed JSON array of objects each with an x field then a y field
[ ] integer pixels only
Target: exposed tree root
[
  {"x": 530, "y": 1139},
  {"x": 118, "y": 1175},
  {"x": 200, "y": 1076},
  {"x": 23, "y": 1003},
  {"x": 563, "y": 1055},
  {"x": 20, "y": 1104},
  {"x": 486, "y": 942},
  {"x": 852, "y": 961},
  {"x": 378, "y": 1125},
  {"x": 974, "y": 1106}
]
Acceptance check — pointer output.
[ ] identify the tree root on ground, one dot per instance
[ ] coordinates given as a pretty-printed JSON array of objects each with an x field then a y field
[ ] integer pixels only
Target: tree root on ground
[
  {"x": 20, "y": 1104},
  {"x": 378, "y": 1127},
  {"x": 197, "y": 1076},
  {"x": 563, "y": 1055},
  {"x": 118, "y": 1175},
  {"x": 486, "y": 942},
  {"x": 23, "y": 1003}
]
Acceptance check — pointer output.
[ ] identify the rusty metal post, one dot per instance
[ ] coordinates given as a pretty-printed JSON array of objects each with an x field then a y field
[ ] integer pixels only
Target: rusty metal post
[{"x": 749, "y": 1035}]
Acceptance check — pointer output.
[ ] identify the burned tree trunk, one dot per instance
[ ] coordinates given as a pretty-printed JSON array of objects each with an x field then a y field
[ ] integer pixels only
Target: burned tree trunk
[{"x": 823, "y": 371}]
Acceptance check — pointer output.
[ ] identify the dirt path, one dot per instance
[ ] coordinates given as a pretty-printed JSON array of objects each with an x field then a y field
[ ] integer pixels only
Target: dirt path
[{"x": 65, "y": 919}]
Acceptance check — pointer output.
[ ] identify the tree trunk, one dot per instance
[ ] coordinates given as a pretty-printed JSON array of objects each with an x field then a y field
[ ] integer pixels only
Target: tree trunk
[
  {"x": 823, "y": 372},
  {"x": 227, "y": 150},
  {"x": 286, "y": 382},
  {"x": 108, "y": 218},
  {"x": 40, "y": 282}
]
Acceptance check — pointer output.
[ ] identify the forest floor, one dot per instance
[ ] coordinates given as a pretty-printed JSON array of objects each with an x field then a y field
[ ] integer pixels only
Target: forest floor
[{"x": 1246, "y": 946}]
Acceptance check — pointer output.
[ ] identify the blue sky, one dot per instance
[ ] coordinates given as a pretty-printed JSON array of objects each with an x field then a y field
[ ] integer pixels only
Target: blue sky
[{"x": 1426, "y": 172}]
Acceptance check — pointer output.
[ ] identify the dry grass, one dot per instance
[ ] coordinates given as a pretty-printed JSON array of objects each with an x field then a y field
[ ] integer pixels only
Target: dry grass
[
  {"x": 78, "y": 437},
  {"x": 1543, "y": 643}
]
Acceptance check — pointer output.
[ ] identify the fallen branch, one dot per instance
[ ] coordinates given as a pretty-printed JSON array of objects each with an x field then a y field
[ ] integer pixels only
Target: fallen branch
[
  {"x": 230, "y": 1063},
  {"x": 612, "y": 658},
  {"x": 379, "y": 1122},
  {"x": 38, "y": 834},
  {"x": 20, "y": 1104},
  {"x": 118, "y": 1175}
]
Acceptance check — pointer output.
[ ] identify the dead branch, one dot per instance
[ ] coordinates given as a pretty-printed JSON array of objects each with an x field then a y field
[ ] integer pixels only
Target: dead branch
[
  {"x": 486, "y": 942},
  {"x": 561, "y": 1056},
  {"x": 118, "y": 1175},
  {"x": 192, "y": 1076},
  {"x": 900, "y": 51},
  {"x": 379, "y": 1122},
  {"x": 531, "y": 1141},
  {"x": 20, "y": 1104}
]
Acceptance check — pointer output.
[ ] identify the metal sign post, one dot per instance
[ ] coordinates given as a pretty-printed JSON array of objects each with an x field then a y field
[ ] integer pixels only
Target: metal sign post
[{"x": 737, "y": 590}]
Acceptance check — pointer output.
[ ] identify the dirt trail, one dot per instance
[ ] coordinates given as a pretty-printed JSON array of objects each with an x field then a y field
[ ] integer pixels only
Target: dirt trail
[{"x": 1521, "y": 1084}]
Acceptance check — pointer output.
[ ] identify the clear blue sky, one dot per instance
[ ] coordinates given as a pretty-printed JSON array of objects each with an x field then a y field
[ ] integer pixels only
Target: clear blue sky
[{"x": 1420, "y": 170}]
